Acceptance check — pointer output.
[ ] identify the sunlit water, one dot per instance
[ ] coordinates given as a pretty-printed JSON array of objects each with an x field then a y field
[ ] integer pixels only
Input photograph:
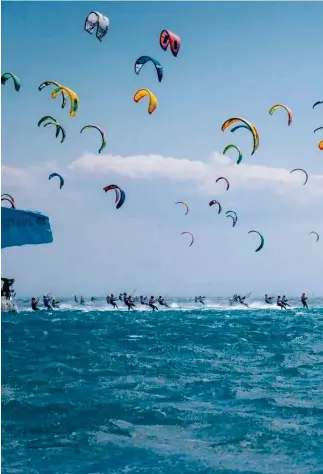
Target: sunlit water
[{"x": 192, "y": 389}]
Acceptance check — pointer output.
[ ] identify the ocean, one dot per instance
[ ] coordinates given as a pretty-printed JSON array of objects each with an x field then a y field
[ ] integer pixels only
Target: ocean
[{"x": 190, "y": 389}]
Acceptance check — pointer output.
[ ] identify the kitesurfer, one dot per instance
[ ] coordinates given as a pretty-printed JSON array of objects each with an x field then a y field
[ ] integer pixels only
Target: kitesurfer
[
  {"x": 162, "y": 302},
  {"x": 55, "y": 303},
  {"x": 234, "y": 299},
  {"x": 303, "y": 300},
  {"x": 120, "y": 297},
  {"x": 241, "y": 300},
  {"x": 112, "y": 301},
  {"x": 142, "y": 300},
  {"x": 34, "y": 303},
  {"x": 269, "y": 299},
  {"x": 7, "y": 289},
  {"x": 46, "y": 302},
  {"x": 82, "y": 301},
  {"x": 280, "y": 304},
  {"x": 126, "y": 300},
  {"x": 92, "y": 298},
  {"x": 284, "y": 301},
  {"x": 131, "y": 301},
  {"x": 199, "y": 299},
  {"x": 151, "y": 303},
  {"x": 75, "y": 299}
]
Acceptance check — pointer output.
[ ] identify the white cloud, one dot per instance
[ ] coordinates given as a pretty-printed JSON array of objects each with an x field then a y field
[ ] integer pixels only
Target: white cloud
[
  {"x": 26, "y": 177},
  {"x": 30, "y": 186},
  {"x": 202, "y": 173}
]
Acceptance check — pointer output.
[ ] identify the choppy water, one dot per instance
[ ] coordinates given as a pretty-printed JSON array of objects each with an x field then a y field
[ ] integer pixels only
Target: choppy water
[{"x": 187, "y": 390}]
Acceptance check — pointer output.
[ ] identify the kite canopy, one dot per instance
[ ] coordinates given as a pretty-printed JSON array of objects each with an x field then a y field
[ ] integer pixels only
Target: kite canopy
[
  {"x": 168, "y": 38},
  {"x": 152, "y": 98},
  {"x": 143, "y": 60},
  {"x": 16, "y": 80},
  {"x": 97, "y": 21},
  {"x": 24, "y": 228}
]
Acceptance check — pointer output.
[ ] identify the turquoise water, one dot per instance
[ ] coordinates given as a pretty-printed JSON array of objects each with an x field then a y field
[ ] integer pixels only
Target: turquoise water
[{"x": 186, "y": 390}]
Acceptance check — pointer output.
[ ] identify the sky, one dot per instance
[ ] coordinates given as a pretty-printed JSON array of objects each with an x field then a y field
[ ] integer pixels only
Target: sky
[{"x": 236, "y": 60}]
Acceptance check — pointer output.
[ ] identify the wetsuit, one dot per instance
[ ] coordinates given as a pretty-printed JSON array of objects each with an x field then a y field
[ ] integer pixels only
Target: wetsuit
[
  {"x": 75, "y": 299},
  {"x": 303, "y": 300},
  {"x": 196, "y": 299},
  {"x": 151, "y": 304},
  {"x": 162, "y": 302},
  {"x": 82, "y": 300},
  {"x": 33, "y": 304},
  {"x": 6, "y": 287}
]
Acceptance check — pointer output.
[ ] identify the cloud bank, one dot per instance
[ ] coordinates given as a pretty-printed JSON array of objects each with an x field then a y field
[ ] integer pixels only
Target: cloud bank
[
  {"x": 200, "y": 174},
  {"x": 203, "y": 174}
]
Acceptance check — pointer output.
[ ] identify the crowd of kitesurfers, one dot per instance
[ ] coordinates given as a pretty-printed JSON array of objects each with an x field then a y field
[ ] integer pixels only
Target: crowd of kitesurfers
[
  {"x": 130, "y": 301},
  {"x": 50, "y": 302},
  {"x": 281, "y": 301}
]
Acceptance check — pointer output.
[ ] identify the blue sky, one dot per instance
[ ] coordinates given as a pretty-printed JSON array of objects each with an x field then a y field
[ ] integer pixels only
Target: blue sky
[{"x": 236, "y": 59}]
